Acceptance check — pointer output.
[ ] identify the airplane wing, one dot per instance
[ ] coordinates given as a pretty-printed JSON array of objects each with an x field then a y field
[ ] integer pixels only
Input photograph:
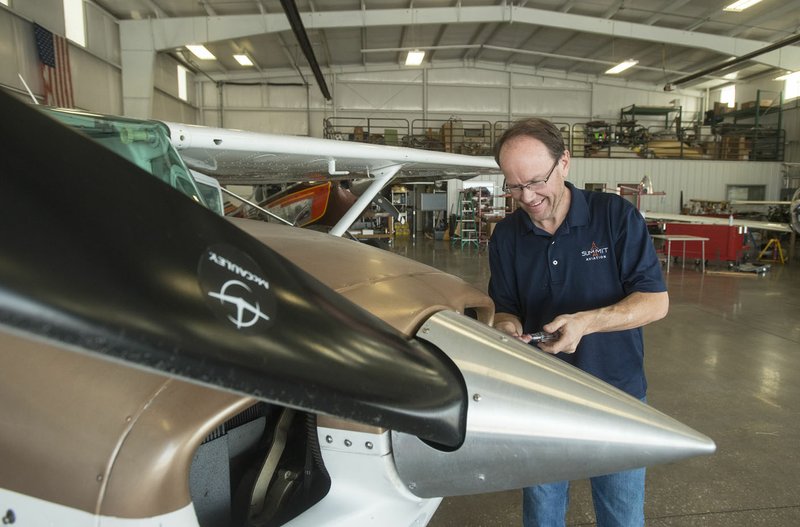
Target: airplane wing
[
  {"x": 759, "y": 202},
  {"x": 709, "y": 220},
  {"x": 248, "y": 158}
]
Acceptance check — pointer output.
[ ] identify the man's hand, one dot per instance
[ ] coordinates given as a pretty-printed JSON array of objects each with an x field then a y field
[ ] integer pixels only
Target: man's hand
[
  {"x": 570, "y": 328},
  {"x": 510, "y": 325},
  {"x": 633, "y": 311}
]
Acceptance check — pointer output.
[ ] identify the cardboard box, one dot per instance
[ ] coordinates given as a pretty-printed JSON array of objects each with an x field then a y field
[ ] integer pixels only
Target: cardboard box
[
  {"x": 763, "y": 103},
  {"x": 722, "y": 107}
]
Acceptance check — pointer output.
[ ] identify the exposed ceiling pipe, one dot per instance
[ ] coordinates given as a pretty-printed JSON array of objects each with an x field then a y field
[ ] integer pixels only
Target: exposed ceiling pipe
[
  {"x": 731, "y": 62},
  {"x": 290, "y": 8}
]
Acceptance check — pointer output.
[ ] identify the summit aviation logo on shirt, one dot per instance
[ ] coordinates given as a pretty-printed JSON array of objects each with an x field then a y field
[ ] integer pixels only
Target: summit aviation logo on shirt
[{"x": 595, "y": 253}]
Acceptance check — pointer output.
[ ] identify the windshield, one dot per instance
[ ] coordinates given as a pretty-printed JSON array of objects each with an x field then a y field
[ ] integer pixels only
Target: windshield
[{"x": 143, "y": 143}]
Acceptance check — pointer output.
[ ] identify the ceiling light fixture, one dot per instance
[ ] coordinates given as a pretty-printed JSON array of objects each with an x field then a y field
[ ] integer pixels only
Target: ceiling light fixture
[
  {"x": 784, "y": 77},
  {"x": 243, "y": 60},
  {"x": 200, "y": 51},
  {"x": 622, "y": 66},
  {"x": 741, "y": 5},
  {"x": 414, "y": 57}
]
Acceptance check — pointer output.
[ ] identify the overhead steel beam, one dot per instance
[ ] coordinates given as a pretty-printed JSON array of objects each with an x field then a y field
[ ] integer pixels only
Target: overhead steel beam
[
  {"x": 175, "y": 32},
  {"x": 290, "y": 9},
  {"x": 732, "y": 62}
]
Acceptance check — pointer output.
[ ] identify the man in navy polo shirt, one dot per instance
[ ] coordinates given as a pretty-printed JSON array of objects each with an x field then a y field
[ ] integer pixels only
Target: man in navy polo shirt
[{"x": 581, "y": 265}]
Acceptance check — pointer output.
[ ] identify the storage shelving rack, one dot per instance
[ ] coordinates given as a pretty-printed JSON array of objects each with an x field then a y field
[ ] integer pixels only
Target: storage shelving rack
[
  {"x": 630, "y": 113},
  {"x": 755, "y": 132}
]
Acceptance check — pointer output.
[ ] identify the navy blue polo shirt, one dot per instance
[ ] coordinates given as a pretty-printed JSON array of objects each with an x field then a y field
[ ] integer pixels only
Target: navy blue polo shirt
[{"x": 600, "y": 254}]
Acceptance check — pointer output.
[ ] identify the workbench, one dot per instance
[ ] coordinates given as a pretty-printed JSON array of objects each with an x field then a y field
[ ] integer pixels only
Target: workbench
[{"x": 669, "y": 238}]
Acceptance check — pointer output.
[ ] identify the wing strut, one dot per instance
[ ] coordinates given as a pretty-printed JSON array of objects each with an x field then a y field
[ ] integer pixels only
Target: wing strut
[{"x": 382, "y": 178}]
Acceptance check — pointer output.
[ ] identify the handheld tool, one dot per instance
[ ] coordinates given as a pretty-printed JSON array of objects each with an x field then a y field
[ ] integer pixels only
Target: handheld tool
[{"x": 543, "y": 336}]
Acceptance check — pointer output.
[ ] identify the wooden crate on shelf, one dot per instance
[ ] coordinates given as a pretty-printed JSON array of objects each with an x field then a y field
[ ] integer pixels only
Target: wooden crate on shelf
[{"x": 734, "y": 148}]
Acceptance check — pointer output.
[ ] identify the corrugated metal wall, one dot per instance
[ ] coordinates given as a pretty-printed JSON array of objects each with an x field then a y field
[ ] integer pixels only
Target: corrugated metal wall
[
  {"x": 478, "y": 93},
  {"x": 694, "y": 179}
]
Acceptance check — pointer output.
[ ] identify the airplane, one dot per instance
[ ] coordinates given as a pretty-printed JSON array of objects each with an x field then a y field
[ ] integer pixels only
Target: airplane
[
  {"x": 711, "y": 220},
  {"x": 161, "y": 365},
  {"x": 242, "y": 157}
]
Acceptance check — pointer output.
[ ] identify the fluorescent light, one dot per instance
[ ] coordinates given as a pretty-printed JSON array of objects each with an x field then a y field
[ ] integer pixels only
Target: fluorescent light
[
  {"x": 731, "y": 76},
  {"x": 622, "y": 66},
  {"x": 414, "y": 58},
  {"x": 183, "y": 74},
  {"x": 787, "y": 76},
  {"x": 200, "y": 52},
  {"x": 741, "y": 5},
  {"x": 243, "y": 60}
]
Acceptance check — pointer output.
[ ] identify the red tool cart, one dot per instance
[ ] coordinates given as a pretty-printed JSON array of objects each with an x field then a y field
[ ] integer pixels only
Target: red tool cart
[{"x": 725, "y": 243}]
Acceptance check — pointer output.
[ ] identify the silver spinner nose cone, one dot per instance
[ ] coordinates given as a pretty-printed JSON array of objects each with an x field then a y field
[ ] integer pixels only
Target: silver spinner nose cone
[{"x": 532, "y": 419}]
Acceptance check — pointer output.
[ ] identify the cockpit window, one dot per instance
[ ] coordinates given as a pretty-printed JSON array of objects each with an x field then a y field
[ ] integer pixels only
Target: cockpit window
[{"x": 144, "y": 143}]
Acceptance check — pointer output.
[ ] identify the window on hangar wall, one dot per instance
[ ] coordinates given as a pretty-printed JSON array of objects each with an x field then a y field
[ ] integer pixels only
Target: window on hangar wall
[{"x": 74, "y": 21}]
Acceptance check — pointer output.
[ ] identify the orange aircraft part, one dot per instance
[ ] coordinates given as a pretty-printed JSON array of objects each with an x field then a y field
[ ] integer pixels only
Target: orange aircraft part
[{"x": 319, "y": 196}]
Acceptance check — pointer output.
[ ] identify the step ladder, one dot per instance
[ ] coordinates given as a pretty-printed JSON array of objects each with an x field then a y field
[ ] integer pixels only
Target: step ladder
[{"x": 467, "y": 225}]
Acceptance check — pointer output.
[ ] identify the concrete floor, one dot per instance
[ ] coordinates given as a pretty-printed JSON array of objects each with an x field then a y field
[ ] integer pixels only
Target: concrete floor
[{"x": 725, "y": 361}]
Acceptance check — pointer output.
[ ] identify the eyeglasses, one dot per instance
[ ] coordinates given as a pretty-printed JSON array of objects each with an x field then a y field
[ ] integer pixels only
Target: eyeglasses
[{"x": 517, "y": 190}]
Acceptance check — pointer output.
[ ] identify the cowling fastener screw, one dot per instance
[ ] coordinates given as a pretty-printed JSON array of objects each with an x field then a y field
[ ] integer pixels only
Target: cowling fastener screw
[{"x": 9, "y": 517}]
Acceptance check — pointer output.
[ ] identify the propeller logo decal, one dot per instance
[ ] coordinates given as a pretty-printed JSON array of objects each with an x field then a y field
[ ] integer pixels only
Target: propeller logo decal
[
  {"x": 236, "y": 289},
  {"x": 243, "y": 307}
]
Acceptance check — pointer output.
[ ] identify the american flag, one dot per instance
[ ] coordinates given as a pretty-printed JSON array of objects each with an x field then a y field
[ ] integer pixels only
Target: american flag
[{"x": 53, "y": 53}]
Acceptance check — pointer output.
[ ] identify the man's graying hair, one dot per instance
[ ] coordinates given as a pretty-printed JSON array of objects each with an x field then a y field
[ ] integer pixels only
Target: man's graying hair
[{"x": 537, "y": 128}]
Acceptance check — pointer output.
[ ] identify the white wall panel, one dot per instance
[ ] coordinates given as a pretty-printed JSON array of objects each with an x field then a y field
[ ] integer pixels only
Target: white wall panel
[
  {"x": 47, "y": 13},
  {"x": 291, "y": 123},
  {"x": 210, "y": 117},
  {"x": 463, "y": 76},
  {"x": 403, "y": 75},
  {"x": 551, "y": 103},
  {"x": 96, "y": 86},
  {"x": 372, "y": 97},
  {"x": 536, "y": 81},
  {"x": 236, "y": 97},
  {"x": 297, "y": 97},
  {"x": 102, "y": 34},
  {"x": 697, "y": 179},
  {"x": 460, "y": 100},
  {"x": 167, "y": 108},
  {"x": 165, "y": 76},
  {"x": 209, "y": 95},
  {"x": 15, "y": 49}
]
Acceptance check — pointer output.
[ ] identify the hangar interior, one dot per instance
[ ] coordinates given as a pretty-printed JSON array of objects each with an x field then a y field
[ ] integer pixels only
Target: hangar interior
[{"x": 707, "y": 115}]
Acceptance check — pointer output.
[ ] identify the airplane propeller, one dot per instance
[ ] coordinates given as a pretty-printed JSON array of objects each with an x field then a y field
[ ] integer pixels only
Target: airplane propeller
[{"x": 103, "y": 258}]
